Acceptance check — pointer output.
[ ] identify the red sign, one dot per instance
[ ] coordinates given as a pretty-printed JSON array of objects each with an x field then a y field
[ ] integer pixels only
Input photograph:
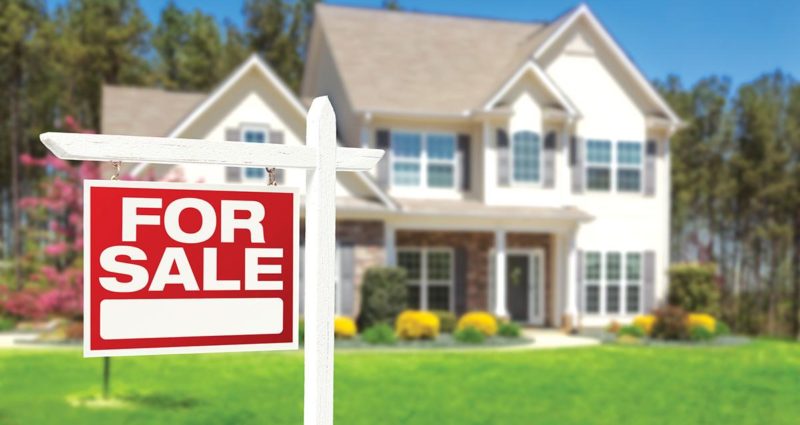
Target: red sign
[{"x": 185, "y": 268}]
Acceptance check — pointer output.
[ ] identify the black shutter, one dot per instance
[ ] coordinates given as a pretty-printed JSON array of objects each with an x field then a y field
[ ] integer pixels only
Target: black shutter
[
  {"x": 233, "y": 174},
  {"x": 463, "y": 158},
  {"x": 382, "y": 141},
  {"x": 651, "y": 151},
  {"x": 549, "y": 160},
  {"x": 461, "y": 280},
  {"x": 503, "y": 158}
]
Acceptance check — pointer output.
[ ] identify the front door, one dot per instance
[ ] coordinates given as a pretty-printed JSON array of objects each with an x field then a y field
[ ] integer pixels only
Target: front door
[{"x": 518, "y": 280}]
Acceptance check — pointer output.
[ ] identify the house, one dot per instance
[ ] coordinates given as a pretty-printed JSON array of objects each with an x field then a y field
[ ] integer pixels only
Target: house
[{"x": 527, "y": 166}]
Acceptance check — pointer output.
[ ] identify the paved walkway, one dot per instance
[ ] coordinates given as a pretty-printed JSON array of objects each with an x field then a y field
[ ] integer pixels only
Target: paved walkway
[{"x": 553, "y": 338}]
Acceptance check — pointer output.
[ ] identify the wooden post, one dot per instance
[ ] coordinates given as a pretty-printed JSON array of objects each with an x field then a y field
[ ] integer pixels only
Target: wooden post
[
  {"x": 319, "y": 266},
  {"x": 106, "y": 377}
]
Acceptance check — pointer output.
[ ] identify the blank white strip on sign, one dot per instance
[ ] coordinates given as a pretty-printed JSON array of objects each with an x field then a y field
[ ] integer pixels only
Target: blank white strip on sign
[{"x": 170, "y": 318}]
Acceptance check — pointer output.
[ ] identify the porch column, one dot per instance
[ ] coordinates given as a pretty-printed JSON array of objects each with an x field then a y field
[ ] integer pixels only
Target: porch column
[
  {"x": 500, "y": 308},
  {"x": 389, "y": 245},
  {"x": 572, "y": 278}
]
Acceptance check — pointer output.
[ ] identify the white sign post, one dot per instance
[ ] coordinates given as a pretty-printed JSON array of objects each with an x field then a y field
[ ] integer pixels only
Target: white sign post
[{"x": 321, "y": 158}]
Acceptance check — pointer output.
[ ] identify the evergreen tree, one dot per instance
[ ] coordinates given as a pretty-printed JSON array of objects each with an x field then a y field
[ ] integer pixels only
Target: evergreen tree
[{"x": 168, "y": 40}]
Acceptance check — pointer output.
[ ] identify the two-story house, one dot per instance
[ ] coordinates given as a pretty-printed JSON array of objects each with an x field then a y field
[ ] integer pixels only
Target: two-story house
[{"x": 527, "y": 166}]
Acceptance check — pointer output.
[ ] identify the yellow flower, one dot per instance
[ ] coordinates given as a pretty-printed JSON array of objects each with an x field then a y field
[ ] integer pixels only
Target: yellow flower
[
  {"x": 701, "y": 319},
  {"x": 480, "y": 320},
  {"x": 344, "y": 327},
  {"x": 645, "y": 323},
  {"x": 414, "y": 324}
]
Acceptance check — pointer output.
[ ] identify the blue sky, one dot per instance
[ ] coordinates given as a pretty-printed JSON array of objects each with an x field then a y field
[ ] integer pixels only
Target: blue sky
[{"x": 740, "y": 39}]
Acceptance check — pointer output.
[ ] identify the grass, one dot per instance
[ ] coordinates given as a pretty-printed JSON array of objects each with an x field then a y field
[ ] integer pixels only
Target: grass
[{"x": 757, "y": 383}]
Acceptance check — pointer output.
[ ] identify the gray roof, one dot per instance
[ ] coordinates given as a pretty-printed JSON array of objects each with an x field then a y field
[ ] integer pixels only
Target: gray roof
[
  {"x": 422, "y": 63},
  {"x": 140, "y": 111}
]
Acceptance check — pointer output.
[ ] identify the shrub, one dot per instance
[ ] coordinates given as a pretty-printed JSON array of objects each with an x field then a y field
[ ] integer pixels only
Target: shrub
[
  {"x": 470, "y": 335},
  {"x": 383, "y": 296},
  {"x": 631, "y": 331},
  {"x": 670, "y": 323},
  {"x": 447, "y": 321},
  {"x": 703, "y": 320},
  {"x": 700, "y": 333},
  {"x": 413, "y": 324},
  {"x": 645, "y": 322},
  {"x": 480, "y": 320},
  {"x": 692, "y": 286},
  {"x": 344, "y": 327},
  {"x": 509, "y": 330},
  {"x": 613, "y": 327},
  {"x": 379, "y": 334},
  {"x": 7, "y": 323},
  {"x": 722, "y": 329}
]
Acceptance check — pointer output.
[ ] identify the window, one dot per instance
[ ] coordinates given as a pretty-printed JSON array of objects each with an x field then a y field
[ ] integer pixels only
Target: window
[
  {"x": 598, "y": 165},
  {"x": 423, "y": 159},
  {"x": 629, "y": 166},
  {"x": 430, "y": 277},
  {"x": 525, "y": 153},
  {"x": 254, "y": 135},
  {"x": 607, "y": 290}
]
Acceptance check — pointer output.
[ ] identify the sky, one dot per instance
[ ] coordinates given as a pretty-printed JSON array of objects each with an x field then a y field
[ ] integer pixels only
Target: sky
[{"x": 693, "y": 38}]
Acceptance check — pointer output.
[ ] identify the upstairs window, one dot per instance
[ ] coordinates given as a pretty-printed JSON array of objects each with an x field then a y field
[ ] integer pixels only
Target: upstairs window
[
  {"x": 423, "y": 159},
  {"x": 526, "y": 154},
  {"x": 598, "y": 165},
  {"x": 254, "y": 135},
  {"x": 614, "y": 165},
  {"x": 629, "y": 166}
]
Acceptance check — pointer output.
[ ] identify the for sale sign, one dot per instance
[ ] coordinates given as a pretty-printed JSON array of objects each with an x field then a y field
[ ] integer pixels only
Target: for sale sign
[{"x": 182, "y": 268}]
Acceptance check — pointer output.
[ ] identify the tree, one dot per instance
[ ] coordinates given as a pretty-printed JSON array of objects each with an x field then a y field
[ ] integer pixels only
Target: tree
[{"x": 168, "y": 40}]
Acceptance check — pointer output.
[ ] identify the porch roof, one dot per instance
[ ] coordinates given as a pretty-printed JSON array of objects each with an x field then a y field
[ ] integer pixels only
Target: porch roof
[{"x": 477, "y": 209}]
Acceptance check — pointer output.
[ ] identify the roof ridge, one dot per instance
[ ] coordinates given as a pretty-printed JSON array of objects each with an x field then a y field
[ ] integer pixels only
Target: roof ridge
[{"x": 434, "y": 14}]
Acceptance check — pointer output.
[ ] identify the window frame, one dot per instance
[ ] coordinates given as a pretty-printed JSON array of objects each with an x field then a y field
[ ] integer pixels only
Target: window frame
[
  {"x": 614, "y": 166},
  {"x": 524, "y": 183},
  {"x": 424, "y": 161},
  {"x": 639, "y": 168},
  {"x": 424, "y": 281},
  {"x": 604, "y": 282},
  {"x": 588, "y": 164},
  {"x": 261, "y": 128}
]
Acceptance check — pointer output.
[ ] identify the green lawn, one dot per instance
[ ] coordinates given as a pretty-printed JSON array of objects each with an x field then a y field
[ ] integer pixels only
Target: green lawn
[{"x": 754, "y": 384}]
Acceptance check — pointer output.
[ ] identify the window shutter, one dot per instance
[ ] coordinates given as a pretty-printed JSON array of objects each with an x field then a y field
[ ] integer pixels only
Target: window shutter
[
  {"x": 463, "y": 158},
  {"x": 347, "y": 272},
  {"x": 276, "y": 137},
  {"x": 233, "y": 174},
  {"x": 549, "y": 160},
  {"x": 579, "y": 283},
  {"x": 460, "y": 282},
  {"x": 382, "y": 141},
  {"x": 576, "y": 161},
  {"x": 503, "y": 158},
  {"x": 650, "y": 168},
  {"x": 649, "y": 282}
]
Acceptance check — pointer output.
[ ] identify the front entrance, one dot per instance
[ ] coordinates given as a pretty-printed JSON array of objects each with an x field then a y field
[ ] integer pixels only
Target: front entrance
[{"x": 525, "y": 283}]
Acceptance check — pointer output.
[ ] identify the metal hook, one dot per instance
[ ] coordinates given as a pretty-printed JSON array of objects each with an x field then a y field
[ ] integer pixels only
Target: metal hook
[
  {"x": 116, "y": 165},
  {"x": 272, "y": 179}
]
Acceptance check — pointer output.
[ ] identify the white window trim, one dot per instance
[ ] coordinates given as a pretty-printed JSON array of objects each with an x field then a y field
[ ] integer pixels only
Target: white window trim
[
  {"x": 603, "y": 283},
  {"x": 613, "y": 166},
  {"x": 525, "y": 183},
  {"x": 253, "y": 128},
  {"x": 424, "y": 161},
  {"x": 423, "y": 281}
]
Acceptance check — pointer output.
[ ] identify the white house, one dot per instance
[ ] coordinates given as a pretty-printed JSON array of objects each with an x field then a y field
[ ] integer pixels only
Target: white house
[{"x": 527, "y": 170}]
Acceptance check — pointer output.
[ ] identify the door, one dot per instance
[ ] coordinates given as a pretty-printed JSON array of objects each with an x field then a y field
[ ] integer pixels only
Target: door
[{"x": 518, "y": 281}]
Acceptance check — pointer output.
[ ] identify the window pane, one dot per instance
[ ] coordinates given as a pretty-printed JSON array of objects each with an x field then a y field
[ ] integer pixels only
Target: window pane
[
  {"x": 592, "y": 299},
  {"x": 441, "y": 146},
  {"x": 406, "y": 174},
  {"x": 628, "y": 180},
  {"x": 406, "y": 145},
  {"x": 598, "y": 152},
  {"x": 413, "y": 297},
  {"x": 411, "y": 261},
  {"x": 438, "y": 298},
  {"x": 439, "y": 265},
  {"x": 440, "y": 175},
  {"x": 598, "y": 178},
  {"x": 254, "y": 173},
  {"x": 592, "y": 266},
  {"x": 526, "y": 156},
  {"x": 632, "y": 298},
  {"x": 613, "y": 266},
  {"x": 612, "y": 299},
  {"x": 629, "y": 153},
  {"x": 252, "y": 136},
  {"x": 633, "y": 266}
]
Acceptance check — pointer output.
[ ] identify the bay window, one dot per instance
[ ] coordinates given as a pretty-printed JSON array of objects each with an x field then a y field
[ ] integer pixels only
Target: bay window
[
  {"x": 429, "y": 274},
  {"x": 423, "y": 159}
]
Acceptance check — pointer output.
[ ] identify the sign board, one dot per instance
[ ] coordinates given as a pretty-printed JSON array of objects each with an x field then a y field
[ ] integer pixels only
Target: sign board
[{"x": 188, "y": 268}]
